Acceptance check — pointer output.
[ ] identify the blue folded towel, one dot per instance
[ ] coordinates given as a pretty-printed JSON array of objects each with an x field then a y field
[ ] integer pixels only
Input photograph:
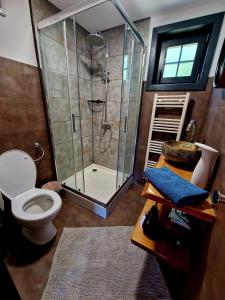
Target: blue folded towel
[{"x": 178, "y": 190}]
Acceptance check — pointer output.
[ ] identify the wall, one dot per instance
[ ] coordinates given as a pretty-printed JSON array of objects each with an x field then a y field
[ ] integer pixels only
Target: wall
[
  {"x": 17, "y": 41},
  {"x": 22, "y": 113},
  {"x": 54, "y": 61},
  {"x": 84, "y": 56},
  {"x": 213, "y": 135},
  {"x": 22, "y": 110},
  {"x": 57, "y": 86},
  {"x": 66, "y": 143},
  {"x": 197, "y": 110},
  {"x": 190, "y": 12},
  {"x": 114, "y": 38}
]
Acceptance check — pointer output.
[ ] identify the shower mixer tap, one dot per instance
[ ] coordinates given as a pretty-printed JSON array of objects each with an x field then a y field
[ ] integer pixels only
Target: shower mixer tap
[
  {"x": 106, "y": 126},
  {"x": 106, "y": 75}
]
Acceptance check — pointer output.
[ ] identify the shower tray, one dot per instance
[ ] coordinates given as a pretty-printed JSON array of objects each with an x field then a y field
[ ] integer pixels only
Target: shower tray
[{"x": 100, "y": 189}]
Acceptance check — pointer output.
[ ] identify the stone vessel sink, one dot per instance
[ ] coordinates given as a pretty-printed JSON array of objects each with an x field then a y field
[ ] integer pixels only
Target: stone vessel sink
[{"x": 181, "y": 152}]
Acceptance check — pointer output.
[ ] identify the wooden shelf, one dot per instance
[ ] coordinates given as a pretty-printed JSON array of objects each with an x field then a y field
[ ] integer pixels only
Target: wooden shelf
[
  {"x": 204, "y": 211},
  {"x": 178, "y": 256},
  {"x": 167, "y": 250}
]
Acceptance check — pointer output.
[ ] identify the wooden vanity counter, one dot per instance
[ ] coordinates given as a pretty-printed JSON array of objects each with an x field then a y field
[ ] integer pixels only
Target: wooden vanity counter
[
  {"x": 204, "y": 211},
  {"x": 176, "y": 256}
]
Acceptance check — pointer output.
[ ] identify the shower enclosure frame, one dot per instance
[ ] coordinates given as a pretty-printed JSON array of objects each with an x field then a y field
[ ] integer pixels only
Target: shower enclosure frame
[
  {"x": 84, "y": 200},
  {"x": 71, "y": 12}
]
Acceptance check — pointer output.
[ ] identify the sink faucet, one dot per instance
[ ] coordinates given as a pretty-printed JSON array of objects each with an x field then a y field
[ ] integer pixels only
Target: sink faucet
[{"x": 192, "y": 129}]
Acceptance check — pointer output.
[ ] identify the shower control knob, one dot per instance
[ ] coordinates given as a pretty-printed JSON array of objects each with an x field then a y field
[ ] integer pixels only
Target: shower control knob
[{"x": 107, "y": 125}]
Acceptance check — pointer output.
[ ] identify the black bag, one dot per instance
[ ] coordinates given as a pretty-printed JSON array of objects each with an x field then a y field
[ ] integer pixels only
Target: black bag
[{"x": 151, "y": 225}]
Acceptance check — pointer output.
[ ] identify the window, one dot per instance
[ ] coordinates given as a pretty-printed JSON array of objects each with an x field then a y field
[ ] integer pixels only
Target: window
[
  {"x": 179, "y": 60},
  {"x": 182, "y": 53}
]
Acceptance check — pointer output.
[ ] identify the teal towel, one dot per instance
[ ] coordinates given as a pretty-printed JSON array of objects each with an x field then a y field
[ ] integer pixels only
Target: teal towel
[{"x": 180, "y": 191}]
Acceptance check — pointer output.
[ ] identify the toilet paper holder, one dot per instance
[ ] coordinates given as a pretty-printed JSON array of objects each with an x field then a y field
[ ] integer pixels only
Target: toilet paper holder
[{"x": 39, "y": 150}]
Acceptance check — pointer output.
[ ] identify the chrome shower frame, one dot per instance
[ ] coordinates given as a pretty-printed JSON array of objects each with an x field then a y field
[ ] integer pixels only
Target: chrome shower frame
[
  {"x": 67, "y": 13},
  {"x": 82, "y": 199}
]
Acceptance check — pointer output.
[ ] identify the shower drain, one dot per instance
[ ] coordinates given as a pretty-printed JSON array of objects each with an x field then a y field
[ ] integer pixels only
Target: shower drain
[{"x": 94, "y": 170}]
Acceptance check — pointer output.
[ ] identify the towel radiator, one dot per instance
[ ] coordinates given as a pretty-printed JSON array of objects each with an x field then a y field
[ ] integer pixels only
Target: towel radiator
[{"x": 165, "y": 125}]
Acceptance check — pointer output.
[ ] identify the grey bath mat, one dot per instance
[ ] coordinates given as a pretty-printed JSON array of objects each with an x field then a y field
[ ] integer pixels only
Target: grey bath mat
[{"x": 101, "y": 263}]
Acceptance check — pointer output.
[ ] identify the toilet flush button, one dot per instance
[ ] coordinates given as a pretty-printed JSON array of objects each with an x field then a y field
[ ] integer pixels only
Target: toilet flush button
[{"x": 26, "y": 157}]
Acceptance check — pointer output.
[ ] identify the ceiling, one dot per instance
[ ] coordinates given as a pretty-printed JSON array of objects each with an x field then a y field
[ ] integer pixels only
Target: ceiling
[{"x": 106, "y": 16}]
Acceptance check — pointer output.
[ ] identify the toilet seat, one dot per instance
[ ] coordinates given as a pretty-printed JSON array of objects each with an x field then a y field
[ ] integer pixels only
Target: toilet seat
[
  {"x": 18, "y": 173},
  {"x": 33, "y": 208},
  {"x": 17, "y": 182},
  {"x": 21, "y": 200}
]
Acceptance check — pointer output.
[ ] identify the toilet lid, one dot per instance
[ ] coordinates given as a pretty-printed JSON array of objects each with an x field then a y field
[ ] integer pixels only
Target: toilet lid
[{"x": 17, "y": 173}]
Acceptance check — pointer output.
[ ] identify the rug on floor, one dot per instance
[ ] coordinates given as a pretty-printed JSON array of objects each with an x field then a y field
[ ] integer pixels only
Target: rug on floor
[{"x": 101, "y": 263}]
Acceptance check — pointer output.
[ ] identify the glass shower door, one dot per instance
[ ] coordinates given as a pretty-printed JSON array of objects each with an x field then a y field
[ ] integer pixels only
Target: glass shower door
[
  {"x": 131, "y": 91},
  {"x": 59, "y": 71},
  {"x": 74, "y": 100}
]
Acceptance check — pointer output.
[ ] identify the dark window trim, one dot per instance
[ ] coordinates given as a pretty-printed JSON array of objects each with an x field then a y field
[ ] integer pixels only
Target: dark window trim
[{"x": 215, "y": 21}]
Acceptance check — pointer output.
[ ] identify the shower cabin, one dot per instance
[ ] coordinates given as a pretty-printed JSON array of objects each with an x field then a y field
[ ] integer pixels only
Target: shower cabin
[{"x": 92, "y": 77}]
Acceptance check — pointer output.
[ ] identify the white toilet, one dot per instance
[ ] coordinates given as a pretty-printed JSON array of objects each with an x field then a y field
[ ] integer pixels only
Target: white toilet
[{"x": 33, "y": 208}]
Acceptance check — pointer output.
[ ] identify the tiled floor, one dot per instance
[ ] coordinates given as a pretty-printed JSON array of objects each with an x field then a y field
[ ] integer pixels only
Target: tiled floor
[
  {"x": 30, "y": 266},
  {"x": 99, "y": 182}
]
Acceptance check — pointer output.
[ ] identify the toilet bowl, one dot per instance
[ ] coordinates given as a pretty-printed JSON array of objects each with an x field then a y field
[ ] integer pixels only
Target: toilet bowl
[{"x": 33, "y": 208}]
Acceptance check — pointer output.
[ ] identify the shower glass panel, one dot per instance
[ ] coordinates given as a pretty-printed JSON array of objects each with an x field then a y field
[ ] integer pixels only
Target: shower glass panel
[
  {"x": 92, "y": 77},
  {"x": 75, "y": 105},
  {"x": 131, "y": 88},
  {"x": 133, "y": 107},
  {"x": 57, "y": 45}
]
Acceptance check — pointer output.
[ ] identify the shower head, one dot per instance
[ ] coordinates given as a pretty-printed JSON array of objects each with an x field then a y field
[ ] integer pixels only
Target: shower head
[{"x": 96, "y": 39}]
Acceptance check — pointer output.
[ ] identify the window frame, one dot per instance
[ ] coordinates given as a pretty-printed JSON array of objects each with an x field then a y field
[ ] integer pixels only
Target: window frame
[{"x": 208, "y": 28}]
